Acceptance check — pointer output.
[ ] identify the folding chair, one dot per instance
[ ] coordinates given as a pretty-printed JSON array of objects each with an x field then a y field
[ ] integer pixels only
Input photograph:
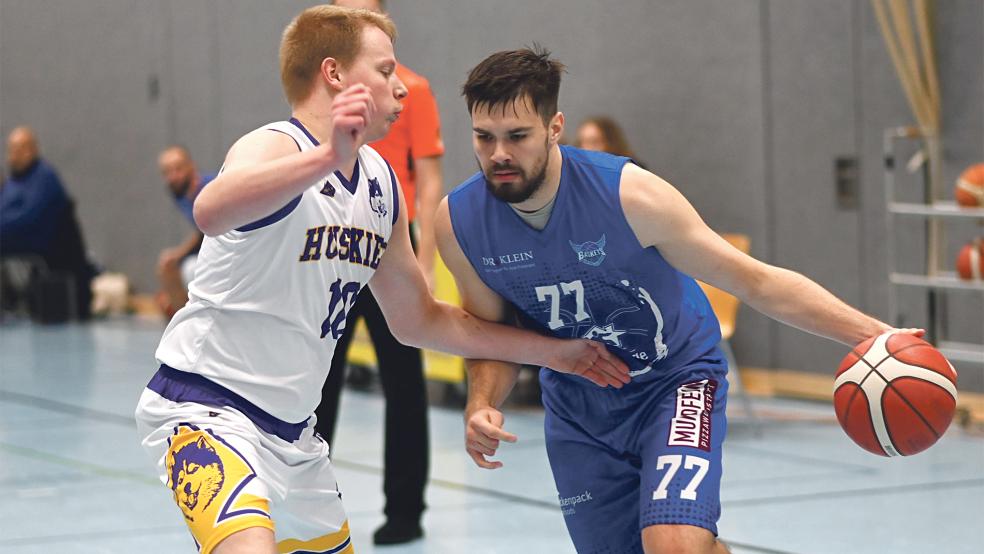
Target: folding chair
[{"x": 725, "y": 307}]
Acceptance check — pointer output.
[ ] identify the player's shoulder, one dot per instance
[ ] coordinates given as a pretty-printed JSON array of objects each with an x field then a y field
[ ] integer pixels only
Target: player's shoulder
[
  {"x": 594, "y": 159},
  {"x": 376, "y": 166},
  {"x": 469, "y": 187},
  {"x": 276, "y": 134},
  {"x": 45, "y": 169},
  {"x": 373, "y": 160},
  {"x": 264, "y": 143}
]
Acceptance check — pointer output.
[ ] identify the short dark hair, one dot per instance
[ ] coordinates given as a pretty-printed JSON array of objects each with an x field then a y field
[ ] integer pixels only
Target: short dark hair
[{"x": 508, "y": 76}]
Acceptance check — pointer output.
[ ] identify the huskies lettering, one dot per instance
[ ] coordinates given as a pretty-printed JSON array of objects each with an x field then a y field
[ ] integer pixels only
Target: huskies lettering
[{"x": 351, "y": 244}]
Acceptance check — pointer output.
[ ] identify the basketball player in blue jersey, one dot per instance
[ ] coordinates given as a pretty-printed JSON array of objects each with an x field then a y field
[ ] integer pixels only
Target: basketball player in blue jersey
[
  {"x": 585, "y": 244},
  {"x": 302, "y": 216}
]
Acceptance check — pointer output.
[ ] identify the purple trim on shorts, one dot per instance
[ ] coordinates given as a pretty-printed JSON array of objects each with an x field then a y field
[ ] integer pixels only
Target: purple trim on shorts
[
  {"x": 338, "y": 548},
  {"x": 181, "y": 386},
  {"x": 224, "y": 513}
]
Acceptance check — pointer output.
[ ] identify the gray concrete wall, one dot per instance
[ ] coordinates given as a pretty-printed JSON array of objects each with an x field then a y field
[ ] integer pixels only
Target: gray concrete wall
[{"x": 743, "y": 104}]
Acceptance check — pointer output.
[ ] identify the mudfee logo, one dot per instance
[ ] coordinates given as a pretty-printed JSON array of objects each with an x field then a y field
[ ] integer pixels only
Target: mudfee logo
[
  {"x": 376, "y": 198},
  {"x": 591, "y": 253},
  {"x": 691, "y": 426}
]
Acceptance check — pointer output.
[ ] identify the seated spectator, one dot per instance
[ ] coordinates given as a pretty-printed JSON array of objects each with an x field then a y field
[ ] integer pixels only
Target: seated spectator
[
  {"x": 176, "y": 265},
  {"x": 602, "y": 134},
  {"x": 37, "y": 217}
]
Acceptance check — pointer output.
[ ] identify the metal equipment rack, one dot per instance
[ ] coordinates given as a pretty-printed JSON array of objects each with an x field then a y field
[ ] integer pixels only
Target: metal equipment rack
[{"x": 936, "y": 281}]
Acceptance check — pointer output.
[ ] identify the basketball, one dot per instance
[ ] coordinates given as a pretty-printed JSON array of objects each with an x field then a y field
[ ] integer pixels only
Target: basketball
[
  {"x": 970, "y": 260},
  {"x": 969, "y": 190},
  {"x": 895, "y": 394}
]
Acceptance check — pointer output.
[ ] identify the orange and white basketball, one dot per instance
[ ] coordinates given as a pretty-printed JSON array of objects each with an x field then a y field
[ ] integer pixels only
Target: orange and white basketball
[
  {"x": 969, "y": 190},
  {"x": 895, "y": 394},
  {"x": 970, "y": 260}
]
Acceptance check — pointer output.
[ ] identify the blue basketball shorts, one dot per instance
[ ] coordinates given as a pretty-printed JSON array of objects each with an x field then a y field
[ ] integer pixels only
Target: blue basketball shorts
[{"x": 647, "y": 454}]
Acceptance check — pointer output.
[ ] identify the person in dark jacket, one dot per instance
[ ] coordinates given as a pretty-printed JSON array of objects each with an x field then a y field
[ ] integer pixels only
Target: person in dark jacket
[{"x": 37, "y": 217}]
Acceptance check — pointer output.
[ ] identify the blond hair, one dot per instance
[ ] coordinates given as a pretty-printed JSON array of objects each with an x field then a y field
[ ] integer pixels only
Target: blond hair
[{"x": 323, "y": 32}]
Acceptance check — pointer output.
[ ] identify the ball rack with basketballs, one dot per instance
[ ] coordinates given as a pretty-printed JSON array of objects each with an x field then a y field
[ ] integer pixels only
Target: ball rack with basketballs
[
  {"x": 961, "y": 280},
  {"x": 965, "y": 276},
  {"x": 969, "y": 194}
]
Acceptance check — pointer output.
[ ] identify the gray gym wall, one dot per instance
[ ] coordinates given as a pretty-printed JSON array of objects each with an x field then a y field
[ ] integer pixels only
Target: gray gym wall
[{"x": 742, "y": 104}]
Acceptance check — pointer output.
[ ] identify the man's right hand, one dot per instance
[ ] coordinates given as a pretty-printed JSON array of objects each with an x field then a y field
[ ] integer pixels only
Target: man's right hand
[
  {"x": 591, "y": 360},
  {"x": 352, "y": 112},
  {"x": 483, "y": 431}
]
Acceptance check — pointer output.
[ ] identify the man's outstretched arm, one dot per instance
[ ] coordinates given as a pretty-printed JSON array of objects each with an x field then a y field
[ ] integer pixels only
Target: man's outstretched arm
[{"x": 416, "y": 318}]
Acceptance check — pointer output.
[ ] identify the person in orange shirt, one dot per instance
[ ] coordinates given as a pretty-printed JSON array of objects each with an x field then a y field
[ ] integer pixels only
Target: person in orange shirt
[{"x": 413, "y": 148}]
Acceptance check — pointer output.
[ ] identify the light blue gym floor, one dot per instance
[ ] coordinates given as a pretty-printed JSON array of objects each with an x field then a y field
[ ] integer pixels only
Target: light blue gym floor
[{"x": 73, "y": 478}]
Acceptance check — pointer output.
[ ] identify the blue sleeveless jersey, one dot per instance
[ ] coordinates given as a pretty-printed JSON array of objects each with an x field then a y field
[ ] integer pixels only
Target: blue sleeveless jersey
[{"x": 586, "y": 274}]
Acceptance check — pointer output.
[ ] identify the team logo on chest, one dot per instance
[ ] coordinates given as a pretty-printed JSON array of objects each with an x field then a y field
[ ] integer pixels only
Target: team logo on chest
[
  {"x": 607, "y": 333},
  {"x": 376, "y": 198},
  {"x": 591, "y": 253}
]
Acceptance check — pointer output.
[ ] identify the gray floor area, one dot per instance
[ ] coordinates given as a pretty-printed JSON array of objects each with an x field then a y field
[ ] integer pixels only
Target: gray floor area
[{"x": 74, "y": 479}]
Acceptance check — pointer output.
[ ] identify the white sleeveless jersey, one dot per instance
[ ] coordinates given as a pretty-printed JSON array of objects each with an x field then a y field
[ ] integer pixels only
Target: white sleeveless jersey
[{"x": 268, "y": 301}]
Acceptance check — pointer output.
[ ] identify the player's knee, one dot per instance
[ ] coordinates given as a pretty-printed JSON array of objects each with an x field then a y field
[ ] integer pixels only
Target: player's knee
[{"x": 678, "y": 539}]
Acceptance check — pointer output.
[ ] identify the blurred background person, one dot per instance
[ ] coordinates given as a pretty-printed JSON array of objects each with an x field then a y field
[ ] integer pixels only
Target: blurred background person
[
  {"x": 176, "y": 264},
  {"x": 413, "y": 147},
  {"x": 37, "y": 219},
  {"x": 603, "y": 134}
]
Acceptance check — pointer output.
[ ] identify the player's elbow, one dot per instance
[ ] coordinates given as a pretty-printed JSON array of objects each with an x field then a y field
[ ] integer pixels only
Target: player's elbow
[
  {"x": 207, "y": 217},
  {"x": 415, "y": 327},
  {"x": 407, "y": 331}
]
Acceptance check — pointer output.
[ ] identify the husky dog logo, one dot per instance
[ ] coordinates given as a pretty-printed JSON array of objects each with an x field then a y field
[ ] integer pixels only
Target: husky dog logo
[
  {"x": 591, "y": 253},
  {"x": 196, "y": 476},
  {"x": 376, "y": 198}
]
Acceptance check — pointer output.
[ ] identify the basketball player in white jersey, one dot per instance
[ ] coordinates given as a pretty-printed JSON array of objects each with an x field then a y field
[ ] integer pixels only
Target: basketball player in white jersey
[{"x": 302, "y": 216}]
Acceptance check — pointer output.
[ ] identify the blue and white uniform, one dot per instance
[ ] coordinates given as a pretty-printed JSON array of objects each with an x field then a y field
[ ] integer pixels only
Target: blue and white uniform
[
  {"x": 228, "y": 416},
  {"x": 586, "y": 275}
]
